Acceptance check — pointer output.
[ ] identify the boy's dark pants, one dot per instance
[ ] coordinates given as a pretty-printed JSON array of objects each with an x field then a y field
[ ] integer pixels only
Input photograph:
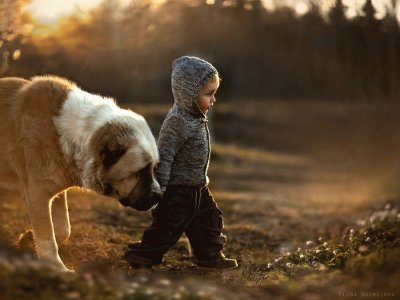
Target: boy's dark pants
[{"x": 184, "y": 209}]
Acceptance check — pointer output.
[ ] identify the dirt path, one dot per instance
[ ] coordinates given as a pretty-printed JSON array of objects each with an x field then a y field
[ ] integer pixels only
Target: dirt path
[{"x": 283, "y": 173}]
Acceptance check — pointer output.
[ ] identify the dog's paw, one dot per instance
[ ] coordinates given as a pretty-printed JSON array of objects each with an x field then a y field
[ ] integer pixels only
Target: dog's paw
[
  {"x": 59, "y": 266},
  {"x": 63, "y": 269},
  {"x": 66, "y": 270},
  {"x": 26, "y": 242}
]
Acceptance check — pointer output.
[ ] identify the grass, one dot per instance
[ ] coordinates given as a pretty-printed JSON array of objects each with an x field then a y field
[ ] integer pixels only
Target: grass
[
  {"x": 321, "y": 255},
  {"x": 306, "y": 219}
]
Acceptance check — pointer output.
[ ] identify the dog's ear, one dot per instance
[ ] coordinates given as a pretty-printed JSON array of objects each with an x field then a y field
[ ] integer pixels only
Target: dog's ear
[{"x": 110, "y": 155}]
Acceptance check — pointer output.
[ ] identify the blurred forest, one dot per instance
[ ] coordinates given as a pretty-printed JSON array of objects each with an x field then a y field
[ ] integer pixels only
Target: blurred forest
[{"x": 126, "y": 51}]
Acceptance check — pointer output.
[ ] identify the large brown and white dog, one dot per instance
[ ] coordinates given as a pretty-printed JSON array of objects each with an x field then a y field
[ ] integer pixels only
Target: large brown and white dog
[{"x": 53, "y": 136}]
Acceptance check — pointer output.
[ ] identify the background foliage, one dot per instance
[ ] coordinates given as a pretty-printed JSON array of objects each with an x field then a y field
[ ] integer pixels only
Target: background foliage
[{"x": 126, "y": 51}]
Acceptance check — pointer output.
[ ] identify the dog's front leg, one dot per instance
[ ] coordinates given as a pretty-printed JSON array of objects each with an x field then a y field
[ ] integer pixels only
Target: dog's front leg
[
  {"x": 40, "y": 216},
  {"x": 60, "y": 217}
]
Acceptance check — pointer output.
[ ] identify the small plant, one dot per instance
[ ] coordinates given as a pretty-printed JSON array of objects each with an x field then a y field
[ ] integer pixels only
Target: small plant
[{"x": 381, "y": 230}]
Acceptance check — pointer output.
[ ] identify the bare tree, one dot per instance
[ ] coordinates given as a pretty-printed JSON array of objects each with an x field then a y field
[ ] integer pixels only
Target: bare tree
[
  {"x": 369, "y": 11},
  {"x": 14, "y": 26},
  {"x": 392, "y": 7},
  {"x": 337, "y": 13},
  {"x": 392, "y": 30}
]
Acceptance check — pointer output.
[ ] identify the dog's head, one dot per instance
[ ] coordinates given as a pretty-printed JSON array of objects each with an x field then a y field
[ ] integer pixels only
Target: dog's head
[{"x": 126, "y": 159}]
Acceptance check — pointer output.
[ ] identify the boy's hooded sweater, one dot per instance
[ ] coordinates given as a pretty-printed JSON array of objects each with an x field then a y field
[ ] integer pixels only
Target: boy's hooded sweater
[{"x": 184, "y": 139}]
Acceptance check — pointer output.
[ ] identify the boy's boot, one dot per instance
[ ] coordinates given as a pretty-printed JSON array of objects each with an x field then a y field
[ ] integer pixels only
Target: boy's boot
[
  {"x": 134, "y": 245},
  {"x": 219, "y": 262},
  {"x": 137, "y": 261}
]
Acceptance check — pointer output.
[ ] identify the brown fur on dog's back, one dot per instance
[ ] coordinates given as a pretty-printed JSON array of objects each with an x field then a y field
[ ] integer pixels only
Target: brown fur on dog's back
[
  {"x": 9, "y": 89},
  {"x": 27, "y": 129},
  {"x": 9, "y": 86},
  {"x": 44, "y": 96}
]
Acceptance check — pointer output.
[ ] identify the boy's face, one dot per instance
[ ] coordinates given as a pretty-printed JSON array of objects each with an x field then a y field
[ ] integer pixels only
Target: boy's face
[{"x": 207, "y": 95}]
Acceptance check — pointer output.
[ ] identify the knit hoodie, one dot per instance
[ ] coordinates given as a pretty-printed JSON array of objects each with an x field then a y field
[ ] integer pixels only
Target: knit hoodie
[{"x": 184, "y": 140}]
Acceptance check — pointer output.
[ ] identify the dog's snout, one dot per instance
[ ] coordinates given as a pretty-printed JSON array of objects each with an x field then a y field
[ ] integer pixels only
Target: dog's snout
[
  {"x": 144, "y": 202},
  {"x": 124, "y": 201},
  {"x": 155, "y": 197}
]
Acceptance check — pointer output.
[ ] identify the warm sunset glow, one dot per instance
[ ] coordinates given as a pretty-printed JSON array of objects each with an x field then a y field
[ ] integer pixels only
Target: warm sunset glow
[
  {"x": 301, "y": 7},
  {"x": 49, "y": 11}
]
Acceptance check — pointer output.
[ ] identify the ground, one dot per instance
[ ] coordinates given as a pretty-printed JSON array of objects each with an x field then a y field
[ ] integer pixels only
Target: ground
[{"x": 319, "y": 176}]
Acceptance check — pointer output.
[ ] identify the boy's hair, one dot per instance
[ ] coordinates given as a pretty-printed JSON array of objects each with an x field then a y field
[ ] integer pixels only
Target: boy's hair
[{"x": 215, "y": 77}]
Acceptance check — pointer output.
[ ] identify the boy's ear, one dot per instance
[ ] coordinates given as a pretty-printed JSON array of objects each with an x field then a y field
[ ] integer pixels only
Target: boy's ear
[{"x": 110, "y": 155}]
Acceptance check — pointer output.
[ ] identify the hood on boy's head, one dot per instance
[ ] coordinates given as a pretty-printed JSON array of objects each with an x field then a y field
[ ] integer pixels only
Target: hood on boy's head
[{"x": 189, "y": 75}]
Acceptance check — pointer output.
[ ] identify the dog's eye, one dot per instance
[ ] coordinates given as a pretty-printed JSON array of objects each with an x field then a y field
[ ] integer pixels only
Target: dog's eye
[
  {"x": 145, "y": 170},
  {"x": 129, "y": 176},
  {"x": 146, "y": 173},
  {"x": 108, "y": 189},
  {"x": 123, "y": 179}
]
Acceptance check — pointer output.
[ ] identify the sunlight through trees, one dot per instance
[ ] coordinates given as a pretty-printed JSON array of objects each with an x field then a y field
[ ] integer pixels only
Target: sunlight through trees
[
  {"x": 260, "y": 52},
  {"x": 14, "y": 27}
]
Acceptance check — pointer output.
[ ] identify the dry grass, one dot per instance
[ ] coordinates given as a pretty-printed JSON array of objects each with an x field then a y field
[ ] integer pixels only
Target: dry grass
[{"x": 283, "y": 174}]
